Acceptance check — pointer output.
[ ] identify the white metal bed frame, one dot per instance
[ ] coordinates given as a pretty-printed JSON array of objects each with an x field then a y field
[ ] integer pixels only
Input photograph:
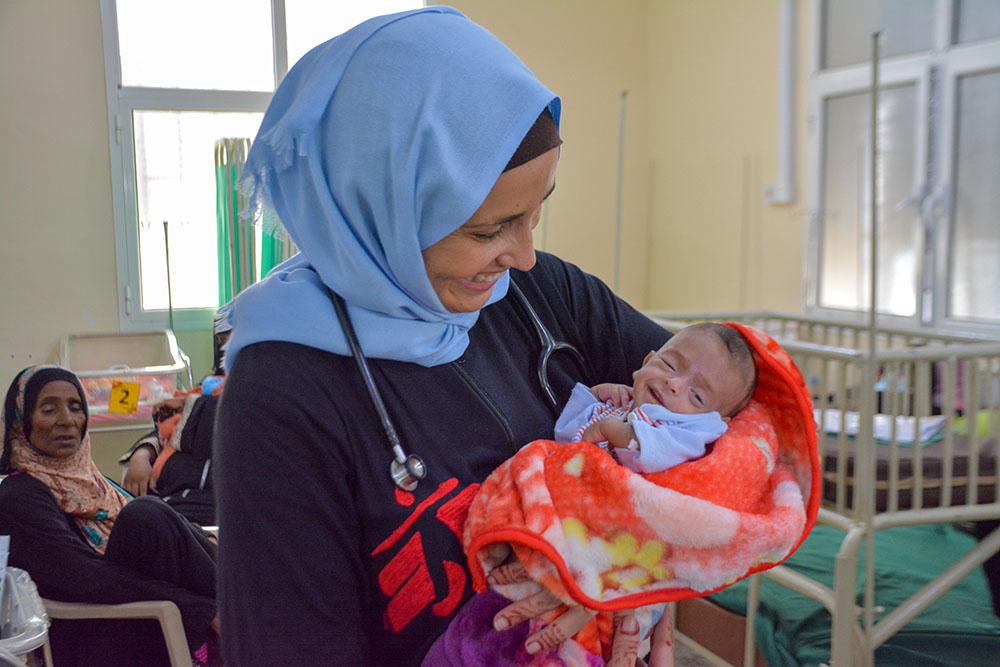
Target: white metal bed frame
[{"x": 834, "y": 357}]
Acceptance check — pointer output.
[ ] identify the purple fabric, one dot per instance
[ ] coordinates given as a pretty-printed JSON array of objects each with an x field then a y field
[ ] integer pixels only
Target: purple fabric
[{"x": 471, "y": 641}]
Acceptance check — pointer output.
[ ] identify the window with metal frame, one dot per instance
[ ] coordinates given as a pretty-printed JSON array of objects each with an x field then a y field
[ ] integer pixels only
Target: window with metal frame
[
  {"x": 939, "y": 171},
  {"x": 182, "y": 74}
]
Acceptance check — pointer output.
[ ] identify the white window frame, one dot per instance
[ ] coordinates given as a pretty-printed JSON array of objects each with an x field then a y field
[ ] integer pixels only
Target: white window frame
[
  {"x": 933, "y": 184},
  {"x": 972, "y": 59},
  {"x": 122, "y": 101}
]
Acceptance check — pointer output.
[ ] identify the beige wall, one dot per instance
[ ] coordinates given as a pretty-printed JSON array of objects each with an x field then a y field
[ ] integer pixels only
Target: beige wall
[
  {"x": 57, "y": 242},
  {"x": 588, "y": 52},
  {"x": 700, "y": 146},
  {"x": 57, "y": 256},
  {"x": 714, "y": 243}
]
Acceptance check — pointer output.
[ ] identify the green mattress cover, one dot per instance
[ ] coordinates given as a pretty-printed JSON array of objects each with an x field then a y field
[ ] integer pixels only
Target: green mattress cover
[{"x": 958, "y": 629}]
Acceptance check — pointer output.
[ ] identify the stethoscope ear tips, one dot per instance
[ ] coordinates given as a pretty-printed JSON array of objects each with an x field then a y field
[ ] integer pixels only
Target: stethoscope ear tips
[{"x": 407, "y": 475}]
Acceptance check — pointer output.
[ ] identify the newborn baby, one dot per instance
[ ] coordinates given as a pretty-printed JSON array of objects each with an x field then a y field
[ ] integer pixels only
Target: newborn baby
[{"x": 682, "y": 398}]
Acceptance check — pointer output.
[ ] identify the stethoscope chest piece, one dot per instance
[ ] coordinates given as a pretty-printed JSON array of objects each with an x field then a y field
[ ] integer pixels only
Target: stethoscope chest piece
[{"x": 407, "y": 474}]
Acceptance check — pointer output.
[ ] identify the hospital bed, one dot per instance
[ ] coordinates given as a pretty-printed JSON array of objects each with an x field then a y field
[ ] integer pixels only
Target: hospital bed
[{"x": 907, "y": 453}]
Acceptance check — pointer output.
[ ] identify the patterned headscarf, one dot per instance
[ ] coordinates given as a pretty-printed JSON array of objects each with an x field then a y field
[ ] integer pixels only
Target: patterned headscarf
[{"x": 79, "y": 488}]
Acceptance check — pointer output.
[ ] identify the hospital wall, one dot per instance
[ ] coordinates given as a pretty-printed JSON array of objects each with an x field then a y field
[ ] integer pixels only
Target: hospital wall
[
  {"x": 700, "y": 144},
  {"x": 714, "y": 243},
  {"x": 701, "y": 136},
  {"x": 589, "y": 53},
  {"x": 57, "y": 234}
]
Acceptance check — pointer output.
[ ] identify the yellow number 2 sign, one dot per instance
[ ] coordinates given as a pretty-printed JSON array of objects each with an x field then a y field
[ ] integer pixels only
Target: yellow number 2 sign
[{"x": 124, "y": 398}]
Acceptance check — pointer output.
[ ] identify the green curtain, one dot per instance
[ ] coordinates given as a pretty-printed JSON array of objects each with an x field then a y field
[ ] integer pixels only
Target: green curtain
[
  {"x": 222, "y": 214},
  {"x": 235, "y": 237},
  {"x": 236, "y": 242}
]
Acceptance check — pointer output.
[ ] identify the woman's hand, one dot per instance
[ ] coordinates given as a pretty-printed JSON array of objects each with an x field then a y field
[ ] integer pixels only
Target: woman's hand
[
  {"x": 139, "y": 471},
  {"x": 661, "y": 652},
  {"x": 625, "y": 644}
]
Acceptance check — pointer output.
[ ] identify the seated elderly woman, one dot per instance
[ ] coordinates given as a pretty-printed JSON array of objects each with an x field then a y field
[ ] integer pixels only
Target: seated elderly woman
[{"x": 83, "y": 539}]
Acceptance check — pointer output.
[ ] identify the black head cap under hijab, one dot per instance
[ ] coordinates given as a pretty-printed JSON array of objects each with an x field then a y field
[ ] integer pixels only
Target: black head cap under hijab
[{"x": 541, "y": 138}]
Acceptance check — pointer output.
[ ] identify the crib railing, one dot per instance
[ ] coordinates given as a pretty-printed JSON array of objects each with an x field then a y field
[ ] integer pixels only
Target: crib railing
[
  {"x": 836, "y": 331},
  {"x": 919, "y": 444}
]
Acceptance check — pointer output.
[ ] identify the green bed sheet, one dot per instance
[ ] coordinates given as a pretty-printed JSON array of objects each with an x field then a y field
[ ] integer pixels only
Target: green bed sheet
[{"x": 959, "y": 629}]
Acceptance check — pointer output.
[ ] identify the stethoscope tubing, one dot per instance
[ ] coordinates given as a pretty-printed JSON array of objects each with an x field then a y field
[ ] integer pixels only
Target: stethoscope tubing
[
  {"x": 549, "y": 346},
  {"x": 406, "y": 470}
]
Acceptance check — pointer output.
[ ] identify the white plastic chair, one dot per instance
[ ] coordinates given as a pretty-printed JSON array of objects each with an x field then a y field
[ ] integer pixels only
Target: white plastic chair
[
  {"x": 23, "y": 621},
  {"x": 8, "y": 659},
  {"x": 164, "y": 611}
]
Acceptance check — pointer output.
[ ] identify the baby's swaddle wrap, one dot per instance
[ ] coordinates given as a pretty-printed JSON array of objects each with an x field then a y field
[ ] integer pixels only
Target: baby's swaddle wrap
[
  {"x": 599, "y": 535},
  {"x": 664, "y": 438}
]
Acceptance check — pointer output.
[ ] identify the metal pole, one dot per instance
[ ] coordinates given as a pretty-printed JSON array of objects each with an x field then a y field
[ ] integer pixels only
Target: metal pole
[
  {"x": 871, "y": 368},
  {"x": 623, "y": 100},
  {"x": 170, "y": 296},
  {"x": 750, "y": 636},
  {"x": 873, "y": 231}
]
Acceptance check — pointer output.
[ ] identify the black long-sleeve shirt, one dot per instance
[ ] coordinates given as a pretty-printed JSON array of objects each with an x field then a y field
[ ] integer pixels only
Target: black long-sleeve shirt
[
  {"x": 322, "y": 559},
  {"x": 184, "y": 481}
]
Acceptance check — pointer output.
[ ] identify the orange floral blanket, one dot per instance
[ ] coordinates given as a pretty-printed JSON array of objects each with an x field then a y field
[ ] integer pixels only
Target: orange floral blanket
[{"x": 598, "y": 535}]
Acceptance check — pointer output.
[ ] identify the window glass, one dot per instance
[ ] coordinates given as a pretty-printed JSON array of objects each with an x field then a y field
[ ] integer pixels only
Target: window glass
[
  {"x": 844, "y": 269},
  {"x": 975, "y": 260},
  {"x": 175, "y": 181},
  {"x": 312, "y": 22},
  {"x": 217, "y": 45},
  {"x": 976, "y": 19},
  {"x": 906, "y": 25}
]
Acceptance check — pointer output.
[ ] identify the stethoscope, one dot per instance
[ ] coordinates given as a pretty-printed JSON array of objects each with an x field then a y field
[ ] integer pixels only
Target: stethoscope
[
  {"x": 406, "y": 470},
  {"x": 549, "y": 346}
]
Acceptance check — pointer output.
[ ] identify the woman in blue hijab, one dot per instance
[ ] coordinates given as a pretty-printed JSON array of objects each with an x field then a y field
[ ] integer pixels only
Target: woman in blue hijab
[{"x": 408, "y": 159}]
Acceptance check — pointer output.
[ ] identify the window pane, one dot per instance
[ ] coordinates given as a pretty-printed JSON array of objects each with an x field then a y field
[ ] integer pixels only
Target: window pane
[
  {"x": 217, "y": 45},
  {"x": 175, "y": 179},
  {"x": 975, "y": 260},
  {"x": 844, "y": 269},
  {"x": 906, "y": 25},
  {"x": 977, "y": 19},
  {"x": 312, "y": 22}
]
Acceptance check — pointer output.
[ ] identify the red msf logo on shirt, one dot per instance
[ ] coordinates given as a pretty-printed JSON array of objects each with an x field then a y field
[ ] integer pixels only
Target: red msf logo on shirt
[{"x": 406, "y": 579}]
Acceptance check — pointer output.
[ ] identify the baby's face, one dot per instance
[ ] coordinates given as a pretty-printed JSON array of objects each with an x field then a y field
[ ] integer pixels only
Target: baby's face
[{"x": 693, "y": 372}]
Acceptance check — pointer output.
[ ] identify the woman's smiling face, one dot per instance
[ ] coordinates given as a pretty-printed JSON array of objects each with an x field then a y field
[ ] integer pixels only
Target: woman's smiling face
[
  {"x": 464, "y": 266},
  {"x": 58, "y": 419}
]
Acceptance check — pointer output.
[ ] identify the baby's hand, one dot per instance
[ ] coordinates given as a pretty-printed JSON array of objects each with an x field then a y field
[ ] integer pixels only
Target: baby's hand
[
  {"x": 615, "y": 432},
  {"x": 620, "y": 395}
]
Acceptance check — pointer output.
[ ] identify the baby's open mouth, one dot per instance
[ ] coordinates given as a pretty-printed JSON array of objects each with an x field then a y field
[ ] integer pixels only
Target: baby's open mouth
[{"x": 656, "y": 395}]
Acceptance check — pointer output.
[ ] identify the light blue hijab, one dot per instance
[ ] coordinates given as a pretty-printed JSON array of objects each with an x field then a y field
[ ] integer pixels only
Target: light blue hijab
[{"x": 378, "y": 144}]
